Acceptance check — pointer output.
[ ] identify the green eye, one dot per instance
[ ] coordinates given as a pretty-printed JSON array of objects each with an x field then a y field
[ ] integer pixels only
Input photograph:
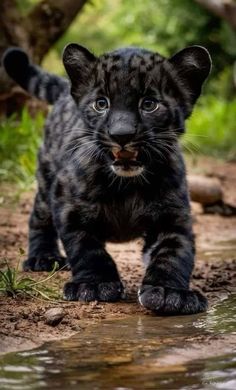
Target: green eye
[
  {"x": 149, "y": 104},
  {"x": 101, "y": 104}
]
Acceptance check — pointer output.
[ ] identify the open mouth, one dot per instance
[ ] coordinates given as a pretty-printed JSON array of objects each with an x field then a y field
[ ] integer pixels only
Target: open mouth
[
  {"x": 125, "y": 163},
  {"x": 125, "y": 154}
]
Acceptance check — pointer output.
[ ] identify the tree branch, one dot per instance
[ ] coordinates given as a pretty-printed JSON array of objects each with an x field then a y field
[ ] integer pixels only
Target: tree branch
[
  {"x": 11, "y": 25},
  {"x": 225, "y": 9},
  {"x": 36, "y": 33},
  {"x": 47, "y": 22}
]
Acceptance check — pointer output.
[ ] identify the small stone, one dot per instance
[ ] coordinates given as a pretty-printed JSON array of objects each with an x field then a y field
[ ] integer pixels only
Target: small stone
[
  {"x": 54, "y": 316},
  {"x": 76, "y": 328}
]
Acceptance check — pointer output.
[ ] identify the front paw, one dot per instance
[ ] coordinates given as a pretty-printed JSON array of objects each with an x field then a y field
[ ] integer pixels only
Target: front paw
[
  {"x": 171, "y": 301},
  {"x": 87, "y": 292},
  {"x": 45, "y": 263}
]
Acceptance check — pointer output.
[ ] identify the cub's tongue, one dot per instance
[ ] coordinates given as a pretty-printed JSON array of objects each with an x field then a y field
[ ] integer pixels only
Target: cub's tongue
[{"x": 124, "y": 155}]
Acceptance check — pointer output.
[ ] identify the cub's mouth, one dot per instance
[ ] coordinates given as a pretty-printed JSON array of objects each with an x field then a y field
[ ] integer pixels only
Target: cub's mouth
[{"x": 125, "y": 163}]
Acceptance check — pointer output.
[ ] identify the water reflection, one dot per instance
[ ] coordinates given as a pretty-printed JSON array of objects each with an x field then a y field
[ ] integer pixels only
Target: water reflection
[{"x": 133, "y": 353}]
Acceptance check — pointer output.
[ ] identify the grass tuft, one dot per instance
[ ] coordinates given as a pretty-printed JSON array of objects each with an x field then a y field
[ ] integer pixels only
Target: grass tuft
[{"x": 13, "y": 283}]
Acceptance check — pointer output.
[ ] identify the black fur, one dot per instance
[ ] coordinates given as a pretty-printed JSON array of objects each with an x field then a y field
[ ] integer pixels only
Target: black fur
[{"x": 116, "y": 173}]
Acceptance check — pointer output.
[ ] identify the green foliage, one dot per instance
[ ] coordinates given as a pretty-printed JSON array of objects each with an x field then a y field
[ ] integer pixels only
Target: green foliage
[
  {"x": 24, "y": 6},
  {"x": 20, "y": 138},
  {"x": 13, "y": 283},
  {"x": 212, "y": 128},
  {"x": 163, "y": 25}
]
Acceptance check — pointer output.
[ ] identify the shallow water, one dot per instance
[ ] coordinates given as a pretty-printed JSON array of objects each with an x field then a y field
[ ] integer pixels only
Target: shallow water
[{"x": 139, "y": 352}]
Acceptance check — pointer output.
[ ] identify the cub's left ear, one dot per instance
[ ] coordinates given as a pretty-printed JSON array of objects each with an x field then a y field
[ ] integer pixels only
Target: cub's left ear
[{"x": 192, "y": 65}]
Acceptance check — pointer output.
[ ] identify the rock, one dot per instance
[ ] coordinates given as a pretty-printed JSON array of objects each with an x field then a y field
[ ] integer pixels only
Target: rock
[
  {"x": 204, "y": 190},
  {"x": 54, "y": 316},
  {"x": 76, "y": 328}
]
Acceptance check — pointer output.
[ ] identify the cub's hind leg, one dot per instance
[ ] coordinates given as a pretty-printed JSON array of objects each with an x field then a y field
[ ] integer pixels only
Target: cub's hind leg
[{"x": 43, "y": 238}]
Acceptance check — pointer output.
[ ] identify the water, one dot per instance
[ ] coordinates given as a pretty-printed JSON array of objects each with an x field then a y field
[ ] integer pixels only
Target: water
[{"x": 139, "y": 352}]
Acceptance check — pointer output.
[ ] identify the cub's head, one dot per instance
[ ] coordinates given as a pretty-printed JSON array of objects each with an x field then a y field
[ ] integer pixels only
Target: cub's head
[{"x": 134, "y": 102}]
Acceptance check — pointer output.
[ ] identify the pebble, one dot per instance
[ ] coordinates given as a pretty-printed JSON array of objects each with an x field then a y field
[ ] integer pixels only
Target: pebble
[{"x": 54, "y": 316}]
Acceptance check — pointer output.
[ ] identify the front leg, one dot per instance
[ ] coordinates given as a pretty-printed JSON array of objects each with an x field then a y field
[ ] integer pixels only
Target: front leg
[
  {"x": 170, "y": 256},
  {"x": 94, "y": 273}
]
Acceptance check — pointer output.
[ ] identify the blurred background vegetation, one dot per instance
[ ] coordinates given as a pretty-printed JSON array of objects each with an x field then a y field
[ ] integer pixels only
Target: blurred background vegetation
[{"x": 160, "y": 25}]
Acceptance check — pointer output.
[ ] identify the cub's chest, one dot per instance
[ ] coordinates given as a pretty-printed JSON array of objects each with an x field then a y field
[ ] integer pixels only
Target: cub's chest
[{"x": 124, "y": 219}]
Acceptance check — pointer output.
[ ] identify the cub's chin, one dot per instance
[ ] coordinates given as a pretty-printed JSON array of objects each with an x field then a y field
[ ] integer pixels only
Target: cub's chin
[{"x": 127, "y": 169}]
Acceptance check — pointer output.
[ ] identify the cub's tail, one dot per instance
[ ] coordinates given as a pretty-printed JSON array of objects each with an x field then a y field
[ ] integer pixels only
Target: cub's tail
[{"x": 32, "y": 78}]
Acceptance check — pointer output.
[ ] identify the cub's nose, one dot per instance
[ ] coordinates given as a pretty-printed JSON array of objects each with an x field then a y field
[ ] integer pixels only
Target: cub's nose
[
  {"x": 122, "y": 134},
  {"x": 122, "y": 139}
]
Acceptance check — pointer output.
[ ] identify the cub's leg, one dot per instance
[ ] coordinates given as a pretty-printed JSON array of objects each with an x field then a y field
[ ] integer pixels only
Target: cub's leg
[
  {"x": 170, "y": 256},
  {"x": 43, "y": 239},
  {"x": 94, "y": 273}
]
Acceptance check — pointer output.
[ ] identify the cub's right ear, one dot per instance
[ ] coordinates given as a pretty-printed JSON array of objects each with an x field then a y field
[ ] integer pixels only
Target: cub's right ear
[
  {"x": 78, "y": 62},
  {"x": 192, "y": 66}
]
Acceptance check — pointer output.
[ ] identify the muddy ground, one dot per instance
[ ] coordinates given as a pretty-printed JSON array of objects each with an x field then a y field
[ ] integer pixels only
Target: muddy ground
[{"x": 22, "y": 320}]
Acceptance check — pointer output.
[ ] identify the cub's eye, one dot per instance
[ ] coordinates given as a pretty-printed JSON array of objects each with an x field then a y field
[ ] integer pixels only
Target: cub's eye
[
  {"x": 149, "y": 104},
  {"x": 101, "y": 104}
]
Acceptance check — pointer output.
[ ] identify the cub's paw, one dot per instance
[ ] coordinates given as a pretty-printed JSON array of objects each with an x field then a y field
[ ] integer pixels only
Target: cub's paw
[
  {"x": 87, "y": 292},
  {"x": 171, "y": 301},
  {"x": 45, "y": 263}
]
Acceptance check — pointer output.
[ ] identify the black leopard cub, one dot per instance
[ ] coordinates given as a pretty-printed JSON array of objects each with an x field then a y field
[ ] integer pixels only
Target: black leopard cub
[{"x": 111, "y": 169}]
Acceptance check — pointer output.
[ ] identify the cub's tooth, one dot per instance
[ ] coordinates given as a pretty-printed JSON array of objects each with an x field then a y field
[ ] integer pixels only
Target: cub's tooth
[{"x": 115, "y": 153}]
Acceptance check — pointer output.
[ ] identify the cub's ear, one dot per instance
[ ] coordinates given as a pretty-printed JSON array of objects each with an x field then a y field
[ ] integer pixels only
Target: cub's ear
[
  {"x": 192, "y": 66},
  {"x": 78, "y": 62}
]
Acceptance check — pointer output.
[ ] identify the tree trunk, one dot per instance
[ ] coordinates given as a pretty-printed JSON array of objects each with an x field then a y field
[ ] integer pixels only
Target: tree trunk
[
  {"x": 47, "y": 22},
  {"x": 225, "y": 9},
  {"x": 36, "y": 32}
]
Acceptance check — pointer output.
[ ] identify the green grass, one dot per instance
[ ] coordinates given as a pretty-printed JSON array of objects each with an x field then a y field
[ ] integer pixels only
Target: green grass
[
  {"x": 212, "y": 128},
  {"x": 13, "y": 283},
  {"x": 19, "y": 141}
]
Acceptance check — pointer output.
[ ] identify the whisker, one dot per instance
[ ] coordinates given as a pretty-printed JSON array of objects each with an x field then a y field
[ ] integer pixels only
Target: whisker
[{"x": 78, "y": 145}]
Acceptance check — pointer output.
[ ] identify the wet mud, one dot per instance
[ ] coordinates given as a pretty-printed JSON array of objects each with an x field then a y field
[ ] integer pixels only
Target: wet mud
[{"x": 138, "y": 352}]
